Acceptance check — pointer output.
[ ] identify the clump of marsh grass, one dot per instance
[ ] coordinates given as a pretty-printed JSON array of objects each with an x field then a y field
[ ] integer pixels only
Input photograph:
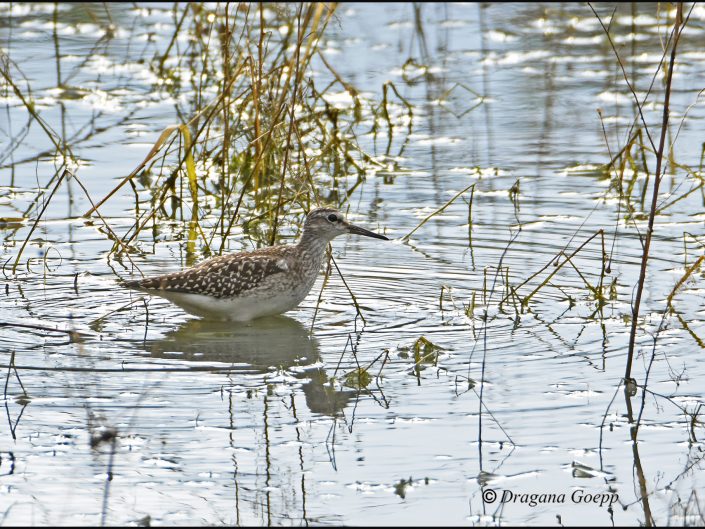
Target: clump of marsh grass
[
  {"x": 264, "y": 125},
  {"x": 259, "y": 135}
]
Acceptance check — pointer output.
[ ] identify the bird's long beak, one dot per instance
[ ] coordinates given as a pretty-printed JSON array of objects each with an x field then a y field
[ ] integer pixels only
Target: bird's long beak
[{"x": 362, "y": 231}]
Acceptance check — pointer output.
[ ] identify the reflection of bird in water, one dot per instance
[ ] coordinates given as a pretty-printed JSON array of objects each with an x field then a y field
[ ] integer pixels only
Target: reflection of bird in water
[
  {"x": 248, "y": 285},
  {"x": 277, "y": 341}
]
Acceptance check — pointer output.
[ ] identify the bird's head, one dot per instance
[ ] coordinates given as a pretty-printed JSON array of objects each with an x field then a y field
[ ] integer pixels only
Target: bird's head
[{"x": 328, "y": 223}]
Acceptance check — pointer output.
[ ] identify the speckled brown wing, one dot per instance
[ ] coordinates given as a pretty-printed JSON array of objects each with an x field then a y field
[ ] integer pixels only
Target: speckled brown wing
[{"x": 225, "y": 276}]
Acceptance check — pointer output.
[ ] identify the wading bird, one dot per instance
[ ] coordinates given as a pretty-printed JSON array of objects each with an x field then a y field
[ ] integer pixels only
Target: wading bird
[{"x": 247, "y": 285}]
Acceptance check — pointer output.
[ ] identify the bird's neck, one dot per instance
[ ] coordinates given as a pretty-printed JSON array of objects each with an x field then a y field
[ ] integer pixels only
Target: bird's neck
[{"x": 313, "y": 245}]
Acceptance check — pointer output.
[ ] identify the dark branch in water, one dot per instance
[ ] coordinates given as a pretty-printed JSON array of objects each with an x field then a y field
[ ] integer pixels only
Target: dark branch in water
[{"x": 678, "y": 26}]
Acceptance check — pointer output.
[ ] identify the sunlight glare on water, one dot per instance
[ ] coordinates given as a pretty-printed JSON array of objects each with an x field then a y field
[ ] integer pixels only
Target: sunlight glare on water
[{"x": 136, "y": 412}]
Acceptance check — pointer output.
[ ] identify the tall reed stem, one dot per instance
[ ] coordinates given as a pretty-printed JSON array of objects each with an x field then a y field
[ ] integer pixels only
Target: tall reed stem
[{"x": 678, "y": 26}]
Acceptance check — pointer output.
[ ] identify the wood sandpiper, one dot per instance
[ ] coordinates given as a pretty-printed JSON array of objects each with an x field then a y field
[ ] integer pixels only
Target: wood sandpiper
[{"x": 247, "y": 285}]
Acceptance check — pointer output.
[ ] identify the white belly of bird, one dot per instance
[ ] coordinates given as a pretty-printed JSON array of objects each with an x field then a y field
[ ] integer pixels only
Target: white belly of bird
[
  {"x": 242, "y": 308},
  {"x": 234, "y": 309}
]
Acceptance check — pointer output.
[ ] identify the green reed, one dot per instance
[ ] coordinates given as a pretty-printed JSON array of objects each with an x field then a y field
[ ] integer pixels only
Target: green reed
[{"x": 259, "y": 136}]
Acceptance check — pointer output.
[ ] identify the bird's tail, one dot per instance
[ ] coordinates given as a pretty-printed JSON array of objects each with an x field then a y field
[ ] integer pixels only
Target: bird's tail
[{"x": 134, "y": 284}]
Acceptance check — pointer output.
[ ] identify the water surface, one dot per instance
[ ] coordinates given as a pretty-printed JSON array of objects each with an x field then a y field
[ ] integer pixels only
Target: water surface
[{"x": 154, "y": 416}]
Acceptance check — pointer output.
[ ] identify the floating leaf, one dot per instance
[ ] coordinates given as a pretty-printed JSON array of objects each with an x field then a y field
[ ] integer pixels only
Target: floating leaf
[
  {"x": 12, "y": 222},
  {"x": 401, "y": 486},
  {"x": 358, "y": 378},
  {"x": 426, "y": 351}
]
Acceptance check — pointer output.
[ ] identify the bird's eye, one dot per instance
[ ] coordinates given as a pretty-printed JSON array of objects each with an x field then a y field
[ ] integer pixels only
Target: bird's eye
[{"x": 332, "y": 217}]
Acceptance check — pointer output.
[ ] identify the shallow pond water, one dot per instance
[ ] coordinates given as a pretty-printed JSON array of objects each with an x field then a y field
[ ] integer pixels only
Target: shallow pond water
[{"x": 154, "y": 416}]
